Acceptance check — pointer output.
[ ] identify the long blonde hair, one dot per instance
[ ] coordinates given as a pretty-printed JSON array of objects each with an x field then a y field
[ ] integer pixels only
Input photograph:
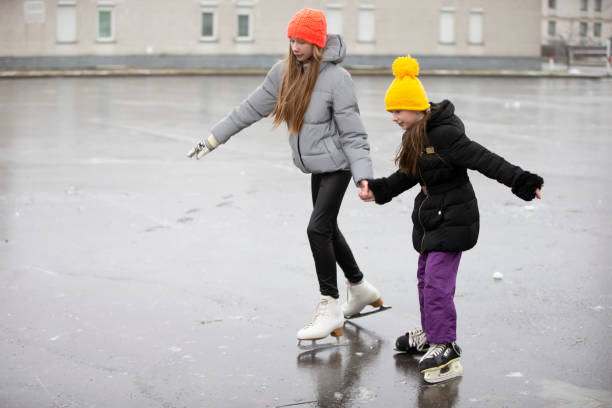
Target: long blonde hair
[{"x": 296, "y": 90}]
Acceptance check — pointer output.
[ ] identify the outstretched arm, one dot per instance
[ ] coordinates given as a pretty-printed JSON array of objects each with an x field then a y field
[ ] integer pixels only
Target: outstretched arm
[
  {"x": 467, "y": 153},
  {"x": 259, "y": 104}
]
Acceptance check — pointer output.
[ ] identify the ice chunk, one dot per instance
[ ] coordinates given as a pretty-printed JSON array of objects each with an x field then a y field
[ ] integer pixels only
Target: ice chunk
[
  {"x": 514, "y": 374},
  {"x": 497, "y": 275},
  {"x": 597, "y": 308}
]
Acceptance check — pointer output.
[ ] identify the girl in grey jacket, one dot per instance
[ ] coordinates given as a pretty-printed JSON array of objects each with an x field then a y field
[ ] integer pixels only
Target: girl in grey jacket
[{"x": 314, "y": 96}]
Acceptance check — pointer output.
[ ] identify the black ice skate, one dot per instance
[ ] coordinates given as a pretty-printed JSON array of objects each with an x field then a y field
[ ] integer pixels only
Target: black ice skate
[
  {"x": 441, "y": 362},
  {"x": 414, "y": 341}
]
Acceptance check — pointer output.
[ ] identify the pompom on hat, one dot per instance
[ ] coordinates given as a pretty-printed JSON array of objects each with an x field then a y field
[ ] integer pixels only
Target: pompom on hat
[
  {"x": 406, "y": 92},
  {"x": 309, "y": 25}
]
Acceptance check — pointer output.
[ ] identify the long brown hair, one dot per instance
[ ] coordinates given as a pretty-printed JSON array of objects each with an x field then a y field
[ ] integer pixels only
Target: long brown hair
[
  {"x": 296, "y": 90},
  {"x": 414, "y": 142}
]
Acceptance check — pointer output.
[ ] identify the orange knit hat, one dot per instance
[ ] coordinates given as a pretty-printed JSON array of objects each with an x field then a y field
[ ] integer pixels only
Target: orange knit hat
[{"x": 309, "y": 25}]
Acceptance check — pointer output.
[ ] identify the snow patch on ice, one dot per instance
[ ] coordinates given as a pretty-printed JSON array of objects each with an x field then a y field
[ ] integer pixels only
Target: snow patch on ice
[
  {"x": 338, "y": 395},
  {"x": 175, "y": 349},
  {"x": 515, "y": 374},
  {"x": 364, "y": 395},
  {"x": 498, "y": 275},
  {"x": 54, "y": 338},
  {"x": 597, "y": 308}
]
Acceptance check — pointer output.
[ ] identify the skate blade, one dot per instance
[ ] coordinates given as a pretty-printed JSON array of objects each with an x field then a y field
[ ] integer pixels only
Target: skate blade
[
  {"x": 450, "y": 371},
  {"x": 379, "y": 309},
  {"x": 321, "y": 345}
]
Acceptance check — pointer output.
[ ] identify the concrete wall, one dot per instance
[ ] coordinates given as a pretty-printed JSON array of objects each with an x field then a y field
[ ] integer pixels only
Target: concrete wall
[{"x": 152, "y": 33}]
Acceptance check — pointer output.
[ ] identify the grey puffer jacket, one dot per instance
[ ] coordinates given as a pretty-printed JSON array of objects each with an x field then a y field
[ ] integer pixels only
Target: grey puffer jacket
[{"x": 332, "y": 136}]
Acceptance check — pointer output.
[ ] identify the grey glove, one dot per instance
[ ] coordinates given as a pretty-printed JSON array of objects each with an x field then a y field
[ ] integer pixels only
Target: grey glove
[{"x": 204, "y": 147}]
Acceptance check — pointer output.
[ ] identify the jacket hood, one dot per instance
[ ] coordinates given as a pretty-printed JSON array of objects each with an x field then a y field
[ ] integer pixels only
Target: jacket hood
[
  {"x": 443, "y": 114},
  {"x": 335, "y": 49}
]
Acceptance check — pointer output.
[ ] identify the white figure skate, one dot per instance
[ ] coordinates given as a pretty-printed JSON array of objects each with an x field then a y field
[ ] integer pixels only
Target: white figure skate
[
  {"x": 359, "y": 295},
  {"x": 328, "y": 320}
]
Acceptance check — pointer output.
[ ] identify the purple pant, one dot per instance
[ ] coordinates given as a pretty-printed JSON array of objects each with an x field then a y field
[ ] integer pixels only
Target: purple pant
[{"x": 436, "y": 276}]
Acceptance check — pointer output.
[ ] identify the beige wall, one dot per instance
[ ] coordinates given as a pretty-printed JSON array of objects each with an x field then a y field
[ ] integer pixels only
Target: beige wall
[
  {"x": 511, "y": 28},
  {"x": 568, "y": 16}
]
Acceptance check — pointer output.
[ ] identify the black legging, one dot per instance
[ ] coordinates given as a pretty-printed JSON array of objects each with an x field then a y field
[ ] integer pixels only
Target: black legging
[{"x": 326, "y": 241}]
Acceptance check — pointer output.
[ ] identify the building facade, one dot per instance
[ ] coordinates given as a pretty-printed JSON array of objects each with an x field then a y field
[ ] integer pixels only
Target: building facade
[
  {"x": 576, "y": 23},
  {"x": 460, "y": 34}
]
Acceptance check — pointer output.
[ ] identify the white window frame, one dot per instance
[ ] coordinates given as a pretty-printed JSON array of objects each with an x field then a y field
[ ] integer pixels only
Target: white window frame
[
  {"x": 447, "y": 12},
  {"x": 366, "y": 11},
  {"x": 209, "y": 7},
  {"x": 598, "y": 6},
  {"x": 596, "y": 25},
  {"x": 105, "y": 6},
  {"x": 34, "y": 11},
  {"x": 583, "y": 33},
  {"x": 334, "y": 18},
  {"x": 476, "y": 16},
  {"x": 553, "y": 24},
  {"x": 244, "y": 9},
  {"x": 64, "y": 5}
]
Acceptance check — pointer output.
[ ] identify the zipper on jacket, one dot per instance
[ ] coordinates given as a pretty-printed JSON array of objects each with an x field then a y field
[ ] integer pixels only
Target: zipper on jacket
[
  {"x": 426, "y": 192},
  {"x": 421, "y": 221},
  {"x": 300, "y": 152}
]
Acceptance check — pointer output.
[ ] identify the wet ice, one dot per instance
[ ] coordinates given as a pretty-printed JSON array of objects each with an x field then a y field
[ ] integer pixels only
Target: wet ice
[{"x": 176, "y": 283}]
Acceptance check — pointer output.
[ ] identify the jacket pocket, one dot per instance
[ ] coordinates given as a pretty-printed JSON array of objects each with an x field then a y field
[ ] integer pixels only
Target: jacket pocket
[{"x": 336, "y": 155}]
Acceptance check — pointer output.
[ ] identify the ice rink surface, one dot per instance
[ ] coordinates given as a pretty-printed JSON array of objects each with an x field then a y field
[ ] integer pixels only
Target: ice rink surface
[{"x": 131, "y": 276}]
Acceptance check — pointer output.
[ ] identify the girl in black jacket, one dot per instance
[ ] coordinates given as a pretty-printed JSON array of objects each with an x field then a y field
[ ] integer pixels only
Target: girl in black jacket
[{"x": 436, "y": 154}]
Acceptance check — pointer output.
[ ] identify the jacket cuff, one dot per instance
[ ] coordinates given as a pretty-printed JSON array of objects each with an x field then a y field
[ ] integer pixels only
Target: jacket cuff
[
  {"x": 526, "y": 184},
  {"x": 381, "y": 190}
]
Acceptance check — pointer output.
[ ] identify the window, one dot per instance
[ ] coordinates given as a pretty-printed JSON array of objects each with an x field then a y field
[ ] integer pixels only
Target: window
[
  {"x": 584, "y": 28},
  {"x": 447, "y": 25},
  {"x": 208, "y": 15},
  {"x": 597, "y": 30},
  {"x": 66, "y": 22},
  {"x": 106, "y": 21},
  {"x": 552, "y": 28},
  {"x": 34, "y": 11},
  {"x": 334, "y": 18},
  {"x": 598, "y": 5},
  {"x": 552, "y": 4},
  {"x": 367, "y": 26},
  {"x": 475, "y": 34},
  {"x": 244, "y": 22},
  {"x": 584, "y": 5}
]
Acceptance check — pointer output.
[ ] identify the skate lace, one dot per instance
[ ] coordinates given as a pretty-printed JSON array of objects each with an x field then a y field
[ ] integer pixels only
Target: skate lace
[
  {"x": 321, "y": 308},
  {"x": 417, "y": 338},
  {"x": 436, "y": 350}
]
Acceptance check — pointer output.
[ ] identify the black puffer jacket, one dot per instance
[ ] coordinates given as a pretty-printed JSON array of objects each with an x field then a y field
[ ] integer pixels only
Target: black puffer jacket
[{"x": 445, "y": 214}]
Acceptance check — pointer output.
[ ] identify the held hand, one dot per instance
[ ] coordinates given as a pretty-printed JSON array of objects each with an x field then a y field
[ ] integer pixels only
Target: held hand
[
  {"x": 203, "y": 148},
  {"x": 364, "y": 191}
]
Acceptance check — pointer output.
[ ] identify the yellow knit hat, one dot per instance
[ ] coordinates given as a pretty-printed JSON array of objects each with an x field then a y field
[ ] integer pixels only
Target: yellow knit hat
[{"x": 406, "y": 92}]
